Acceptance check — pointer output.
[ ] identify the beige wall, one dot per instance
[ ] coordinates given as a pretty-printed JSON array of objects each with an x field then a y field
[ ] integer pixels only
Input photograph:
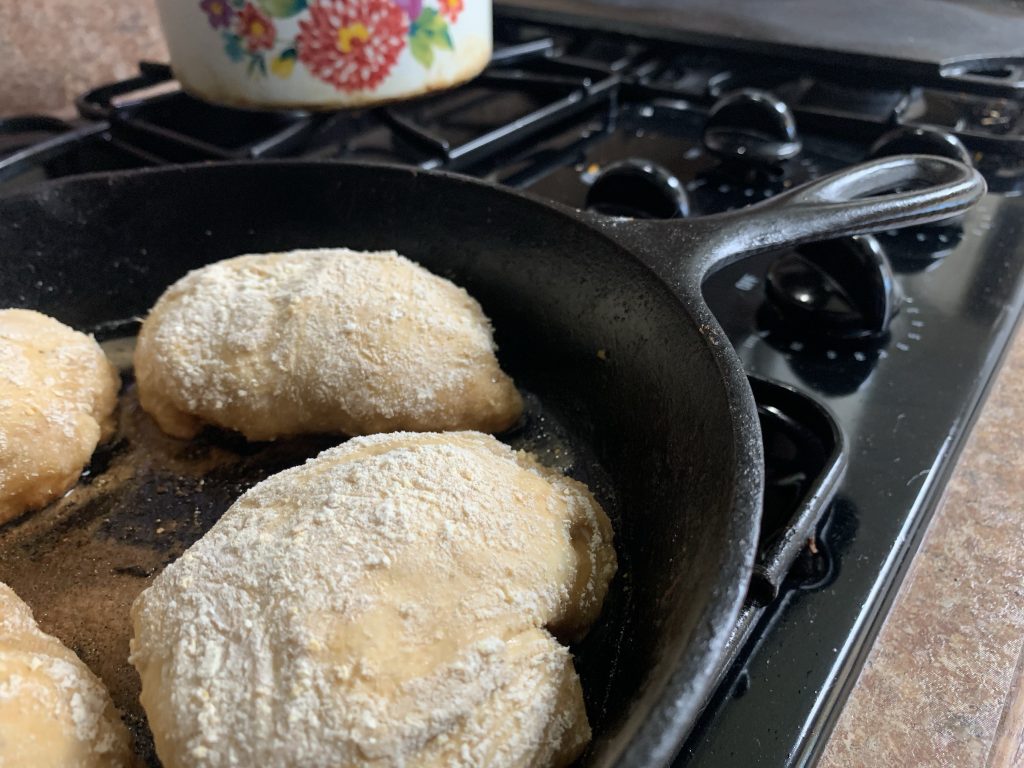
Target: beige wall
[{"x": 52, "y": 50}]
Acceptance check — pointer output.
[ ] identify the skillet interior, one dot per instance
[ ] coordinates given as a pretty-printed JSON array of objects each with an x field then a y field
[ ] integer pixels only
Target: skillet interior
[{"x": 603, "y": 345}]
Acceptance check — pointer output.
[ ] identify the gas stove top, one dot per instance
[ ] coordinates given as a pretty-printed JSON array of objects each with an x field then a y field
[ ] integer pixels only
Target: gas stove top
[{"x": 869, "y": 356}]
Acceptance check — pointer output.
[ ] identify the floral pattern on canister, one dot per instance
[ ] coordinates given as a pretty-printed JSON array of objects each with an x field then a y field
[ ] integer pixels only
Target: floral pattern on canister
[
  {"x": 351, "y": 45},
  {"x": 256, "y": 29},
  {"x": 218, "y": 12},
  {"x": 451, "y": 8}
]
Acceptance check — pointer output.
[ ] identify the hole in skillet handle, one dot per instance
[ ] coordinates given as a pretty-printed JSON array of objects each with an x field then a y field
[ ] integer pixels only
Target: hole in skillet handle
[
  {"x": 889, "y": 191},
  {"x": 854, "y": 201}
]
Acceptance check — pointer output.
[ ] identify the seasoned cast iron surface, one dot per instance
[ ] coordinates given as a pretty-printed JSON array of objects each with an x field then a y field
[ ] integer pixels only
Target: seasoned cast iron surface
[
  {"x": 641, "y": 379},
  {"x": 145, "y": 497}
]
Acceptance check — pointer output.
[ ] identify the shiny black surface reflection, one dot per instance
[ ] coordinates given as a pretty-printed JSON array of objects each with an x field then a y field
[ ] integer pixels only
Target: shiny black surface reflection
[
  {"x": 834, "y": 289},
  {"x": 905, "y": 405}
]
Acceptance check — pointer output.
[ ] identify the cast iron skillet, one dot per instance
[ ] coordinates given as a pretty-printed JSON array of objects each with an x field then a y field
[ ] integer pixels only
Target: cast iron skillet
[{"x": 601, "y": 319}]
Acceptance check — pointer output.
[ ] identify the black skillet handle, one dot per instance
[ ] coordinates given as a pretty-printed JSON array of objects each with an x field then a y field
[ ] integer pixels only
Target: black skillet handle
[
  {"x": 838, "y": 204},
  {"x": 685, "y": 250}
]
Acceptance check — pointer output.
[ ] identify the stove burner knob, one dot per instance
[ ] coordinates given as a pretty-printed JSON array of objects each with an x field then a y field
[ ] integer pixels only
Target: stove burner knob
[
  {"x": 921, "y": 141},
  {"x": 835, "y": 288},
  {"x": 752, "y": 125},
  {"x": 638, "y": 189}
]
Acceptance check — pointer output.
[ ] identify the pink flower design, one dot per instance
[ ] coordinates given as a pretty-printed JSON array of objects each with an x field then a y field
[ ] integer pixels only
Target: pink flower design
[
  {"x": 255, "y": 28},
  {"x": 218, "y": 12},
  {"x": 352, "y": 44}
]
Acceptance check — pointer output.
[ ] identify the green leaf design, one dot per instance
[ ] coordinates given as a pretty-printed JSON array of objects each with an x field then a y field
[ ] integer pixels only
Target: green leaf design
[
  {"x": 256, "y": 64},
  {"x": 282, "y": 8},
  {"x": 428, "y": 32},
  {"x": 233, "y": 46},
  {"x": 421, "y": 50}
]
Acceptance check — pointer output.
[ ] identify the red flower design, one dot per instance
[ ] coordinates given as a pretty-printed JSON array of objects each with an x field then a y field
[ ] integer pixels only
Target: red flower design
[
  {"x": 255, "y": 28},
  {"x": 352, "y": 44},
  {"x": 451, "y": 8}
]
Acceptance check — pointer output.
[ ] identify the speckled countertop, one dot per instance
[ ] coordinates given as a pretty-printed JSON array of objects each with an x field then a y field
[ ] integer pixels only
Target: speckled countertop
[{"x": 944, "y": 682}]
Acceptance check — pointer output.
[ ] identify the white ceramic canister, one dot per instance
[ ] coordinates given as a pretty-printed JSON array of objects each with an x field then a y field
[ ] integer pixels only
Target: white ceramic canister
[{"x": 324, "y": 54}]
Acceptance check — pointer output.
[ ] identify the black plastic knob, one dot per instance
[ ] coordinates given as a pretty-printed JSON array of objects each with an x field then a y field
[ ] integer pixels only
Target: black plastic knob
[
  {"x": 921, "y": 141},
  {"x": 638, "y": 189},
  {"x": 838, "y": 289},
  {"x": 753, "y": 126}
]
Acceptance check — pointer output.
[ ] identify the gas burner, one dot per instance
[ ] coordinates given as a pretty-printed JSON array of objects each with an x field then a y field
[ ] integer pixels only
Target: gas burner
[
  {"x": 835, "y": 289},
  {"x": 921, "y": 141},
  {"x": 924, "y": 247},
  {"x": 638, "y": 189},
  {"x": 752, "y": 126},
  {"x": 666, "y": 133}
]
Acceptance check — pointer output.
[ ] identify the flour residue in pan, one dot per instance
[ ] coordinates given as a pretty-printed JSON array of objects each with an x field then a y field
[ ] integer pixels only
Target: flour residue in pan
[{"x": 145, "y": 497}]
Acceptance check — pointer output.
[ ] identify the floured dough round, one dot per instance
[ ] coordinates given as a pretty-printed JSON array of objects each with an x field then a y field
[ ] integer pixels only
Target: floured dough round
[
  {"x": 386, "y": 604},
  {"x": 54, "y": 712},
  {"x": 57, "y": 395},
  {"x": 328, "y": 340}
]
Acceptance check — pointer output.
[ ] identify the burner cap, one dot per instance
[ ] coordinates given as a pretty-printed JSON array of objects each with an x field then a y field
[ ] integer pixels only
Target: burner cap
[
  {"x": 638, "y": 189},
  {"x": 840, "y": 289},
  {"x": 752, "y": 125},
  {"x": 921, "y": 141}
]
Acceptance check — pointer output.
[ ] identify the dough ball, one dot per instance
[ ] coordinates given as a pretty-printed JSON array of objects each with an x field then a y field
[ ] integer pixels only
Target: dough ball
[
  {"x": 58, "y": 392},
  {"x": 54, "y": 712},
  {"x": 327, "y": 340},
  {"x": 389, "y": 603}
]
